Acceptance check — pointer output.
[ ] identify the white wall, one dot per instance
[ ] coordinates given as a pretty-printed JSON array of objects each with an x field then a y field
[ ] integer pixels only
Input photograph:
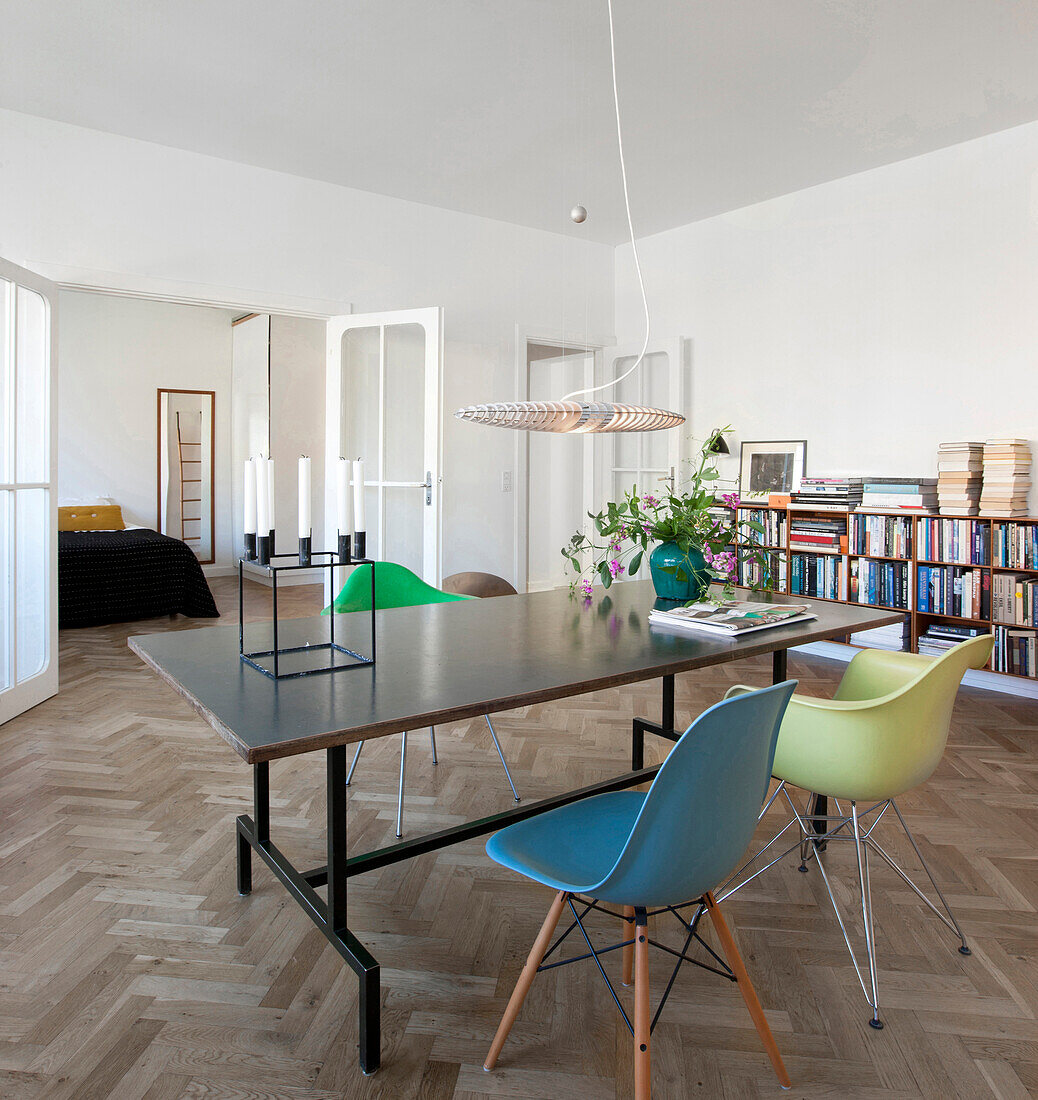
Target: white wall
[
  {"x": 79, "y": 204},
  {"x": 876, "y": 316},
  {"x": 113, "y": 355}
]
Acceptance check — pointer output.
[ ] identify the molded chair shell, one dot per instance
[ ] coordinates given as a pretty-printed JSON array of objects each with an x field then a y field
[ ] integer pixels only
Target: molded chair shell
[
  {"x": 678, "y": 840},
  {"x": 395, "y": 586},
  {"x": 885, "y": 730}
]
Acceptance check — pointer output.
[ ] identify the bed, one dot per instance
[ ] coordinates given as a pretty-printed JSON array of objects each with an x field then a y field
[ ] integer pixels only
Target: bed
[{"x": 116, "y": 575}]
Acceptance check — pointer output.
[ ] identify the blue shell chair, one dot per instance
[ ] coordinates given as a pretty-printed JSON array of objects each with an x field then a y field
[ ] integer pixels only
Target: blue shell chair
[{"x": 649, "y": 853}]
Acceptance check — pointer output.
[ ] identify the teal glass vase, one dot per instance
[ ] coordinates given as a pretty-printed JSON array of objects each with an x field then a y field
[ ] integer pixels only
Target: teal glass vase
[{"x": 677, "y": 574}]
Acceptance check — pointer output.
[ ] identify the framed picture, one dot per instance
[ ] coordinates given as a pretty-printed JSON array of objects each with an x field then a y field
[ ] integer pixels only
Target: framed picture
[{"x": 770, "y": 466}]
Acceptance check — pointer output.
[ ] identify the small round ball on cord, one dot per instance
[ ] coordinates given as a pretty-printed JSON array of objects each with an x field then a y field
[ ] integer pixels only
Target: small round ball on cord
[{"x": 578, "y": 214}]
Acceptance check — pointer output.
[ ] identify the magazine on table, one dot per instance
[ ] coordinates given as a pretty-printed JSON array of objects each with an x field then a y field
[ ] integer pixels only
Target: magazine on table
[{"x": 731, "y": 617}]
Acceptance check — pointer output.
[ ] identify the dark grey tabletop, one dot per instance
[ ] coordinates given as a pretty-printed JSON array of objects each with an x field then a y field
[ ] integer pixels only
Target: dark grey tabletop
[{"x": 451, "y": 661}]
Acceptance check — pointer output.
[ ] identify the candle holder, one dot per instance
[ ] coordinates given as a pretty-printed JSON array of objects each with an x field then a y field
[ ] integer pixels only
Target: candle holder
[
  {"x": 263, "y": 549},
  {"x": 338, "y": 657},
  {"x": 360, "y": 544},
  {"x": 345, "y": 550},
  {"x": 304, "y": 549},
  {"x": 250, "y": 546},
  {"x": 271, "y": 538}
]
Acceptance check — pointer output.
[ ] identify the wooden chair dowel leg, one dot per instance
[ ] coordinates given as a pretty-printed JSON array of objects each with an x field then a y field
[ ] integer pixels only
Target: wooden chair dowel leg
[
  {"x": 522, "y": 986},
  {"x": 749, "y": 994},
  {"x": 642, "y": 1014},
  {"x": 628, "y": 952}
]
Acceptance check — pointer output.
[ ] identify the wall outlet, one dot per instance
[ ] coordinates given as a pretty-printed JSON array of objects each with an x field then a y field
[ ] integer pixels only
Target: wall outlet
[{"x": 506, "y": 481}]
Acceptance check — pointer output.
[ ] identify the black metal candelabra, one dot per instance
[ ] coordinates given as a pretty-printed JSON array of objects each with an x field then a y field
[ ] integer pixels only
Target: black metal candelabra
[{"x": 306, "y": 559}]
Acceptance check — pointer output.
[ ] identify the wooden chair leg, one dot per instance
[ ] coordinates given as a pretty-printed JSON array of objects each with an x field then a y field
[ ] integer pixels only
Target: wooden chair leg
[
  {"x": 522, "y": 986},
  {"x": 749, "y": 994},
  {"x": 628, "y": 952},
  {"x": 642, "y": 1015}
]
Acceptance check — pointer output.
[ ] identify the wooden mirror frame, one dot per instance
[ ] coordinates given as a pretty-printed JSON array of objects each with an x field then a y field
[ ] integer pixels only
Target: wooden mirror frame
[{"x": 211, "y": 394}]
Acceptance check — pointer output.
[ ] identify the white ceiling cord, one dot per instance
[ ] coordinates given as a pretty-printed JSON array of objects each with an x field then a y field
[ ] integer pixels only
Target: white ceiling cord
[
  {"x": 630, "y": 226},
  {"x": 585, "y": 416}
]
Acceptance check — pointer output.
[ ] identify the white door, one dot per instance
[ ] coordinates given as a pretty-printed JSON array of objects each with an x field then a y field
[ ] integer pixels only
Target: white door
[
  {"x": 648, "y": 460},
  {"x": 652, "y": 461},
  {"x": 560, "y": 474},
  {"x": 28, "y": 508},
  {"x": 384, "y": 406}
]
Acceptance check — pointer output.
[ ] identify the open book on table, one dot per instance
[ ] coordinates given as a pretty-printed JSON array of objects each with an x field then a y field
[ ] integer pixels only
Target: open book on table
[{"x": 731, "y": 617}]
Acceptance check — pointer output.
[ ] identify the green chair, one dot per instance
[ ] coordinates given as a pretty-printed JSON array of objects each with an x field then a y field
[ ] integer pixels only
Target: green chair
[
  {"x": 397, "y": 586},
  {"x": 883, "y": 733}
]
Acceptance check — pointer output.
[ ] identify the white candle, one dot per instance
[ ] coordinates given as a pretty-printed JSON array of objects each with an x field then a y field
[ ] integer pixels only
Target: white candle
[
  {"x": 249, "y": 526},
  {"x": 270, "y": 494},
  {"x": 262, "y": 498},
  {"x": 304, "y": 497},
  {"x": 358, "y": 496},
  {"x": 342, "y": 496}
]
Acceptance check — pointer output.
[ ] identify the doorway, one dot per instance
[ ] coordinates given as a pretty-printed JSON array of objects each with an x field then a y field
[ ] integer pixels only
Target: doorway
[{"x": 560, "y": 468}]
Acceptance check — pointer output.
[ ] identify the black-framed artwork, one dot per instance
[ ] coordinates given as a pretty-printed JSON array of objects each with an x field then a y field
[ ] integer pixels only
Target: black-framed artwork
[{"x": 770, "y": 466}]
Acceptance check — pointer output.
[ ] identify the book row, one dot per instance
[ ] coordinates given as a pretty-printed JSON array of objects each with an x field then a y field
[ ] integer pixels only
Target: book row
[
  {"x": 818, "y": 575},
  {"x": 1015, "y": 651},
  {"x": 1015, "y": 545},
  {"x": 961, "y": 541},
  {"x": 772, "y": 521},
  {"x": 1014, "y": 599},
  {"x": 954, "y": 590},
  {"x": 880, "y": 582},
  {"x": 880, "y": 536}
]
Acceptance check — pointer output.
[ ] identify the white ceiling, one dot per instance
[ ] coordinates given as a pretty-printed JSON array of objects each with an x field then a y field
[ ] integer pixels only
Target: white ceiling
[{"x": 503, "y": 108}]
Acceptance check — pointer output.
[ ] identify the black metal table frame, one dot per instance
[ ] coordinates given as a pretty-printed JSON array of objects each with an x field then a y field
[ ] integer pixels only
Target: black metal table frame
[{"x": 253, "y": 834}]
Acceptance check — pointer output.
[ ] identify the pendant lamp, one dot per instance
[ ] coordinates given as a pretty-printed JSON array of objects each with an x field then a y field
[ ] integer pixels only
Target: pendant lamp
[{"x": 585, "y": 416}]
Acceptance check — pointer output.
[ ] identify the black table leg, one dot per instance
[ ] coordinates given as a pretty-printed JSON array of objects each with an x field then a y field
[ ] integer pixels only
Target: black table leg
[
  {"x": 778, "y": 666},
  {"x": 361, "y": 962},
  {"x": 261, "y": 809}
]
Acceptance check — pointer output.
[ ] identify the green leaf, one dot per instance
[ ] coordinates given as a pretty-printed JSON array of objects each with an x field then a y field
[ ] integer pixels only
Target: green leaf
[
  {"x": 603, "y": 572},
  {"x": 635, "y": 565}
]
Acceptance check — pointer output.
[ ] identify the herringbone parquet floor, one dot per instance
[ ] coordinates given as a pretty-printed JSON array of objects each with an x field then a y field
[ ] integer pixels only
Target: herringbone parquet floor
[{"x": 130, "y": 967}]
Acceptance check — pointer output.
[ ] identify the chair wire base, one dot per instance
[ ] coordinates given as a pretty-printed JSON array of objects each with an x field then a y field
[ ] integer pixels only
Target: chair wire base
[
  {"x": 690, "y": 928},
  {"x": 435, "y": 760},
  {"x": 853, "y": 827}
]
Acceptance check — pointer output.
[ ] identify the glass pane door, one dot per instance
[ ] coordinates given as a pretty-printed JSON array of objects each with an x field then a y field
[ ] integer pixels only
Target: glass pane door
[
  {"x": 28, "y": 554},
  {"x": 389, "y": 415},
  {"x": 650, "y": 461}
]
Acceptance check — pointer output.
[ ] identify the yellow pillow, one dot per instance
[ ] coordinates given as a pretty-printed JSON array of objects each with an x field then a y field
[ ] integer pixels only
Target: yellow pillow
[{"x": 91, "y": 517}]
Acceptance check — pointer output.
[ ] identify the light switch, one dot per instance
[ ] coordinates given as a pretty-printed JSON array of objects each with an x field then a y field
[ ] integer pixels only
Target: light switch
[{"x": 506, "y": 481}]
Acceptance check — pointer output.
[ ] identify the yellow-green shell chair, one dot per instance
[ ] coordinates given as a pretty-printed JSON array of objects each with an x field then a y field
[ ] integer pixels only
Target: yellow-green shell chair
[{"x": 882, "y": 733}]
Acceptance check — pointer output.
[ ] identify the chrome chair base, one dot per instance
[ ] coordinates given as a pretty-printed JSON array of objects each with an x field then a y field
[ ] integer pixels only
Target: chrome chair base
[
  {"x": 853, "y": 827},
  {"x": 403, "y": 765}
]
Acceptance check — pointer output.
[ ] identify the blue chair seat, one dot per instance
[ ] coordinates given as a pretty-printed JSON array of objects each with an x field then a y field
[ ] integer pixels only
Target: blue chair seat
[{"x": 574, "y": 847}]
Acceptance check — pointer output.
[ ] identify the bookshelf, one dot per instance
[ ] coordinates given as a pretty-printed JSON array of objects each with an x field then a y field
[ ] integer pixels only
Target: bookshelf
[{"x": 950, "y": 575}]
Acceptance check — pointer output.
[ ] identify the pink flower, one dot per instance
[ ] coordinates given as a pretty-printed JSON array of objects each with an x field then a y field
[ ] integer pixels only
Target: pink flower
[
  {"x": 731, "y": 500},
  {"x": 615, "y": 568},
  {"x": 650, "y": 501},
  {"x": 708, "y": 555},
  {"x": 587, "y": 589}
]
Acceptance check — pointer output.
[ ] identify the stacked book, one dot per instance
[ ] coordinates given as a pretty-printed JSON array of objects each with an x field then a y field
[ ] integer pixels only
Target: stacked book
[
  {"x": 894, "y": 637},
  {"x": 837, "y": 494},
  {"x": 940, "y": 637},
  {"x": 817, "y": 534},
  {"x": 959, "y": 478},
  {"x": 896, "y": 494},
  {"x": 1007, "y": 477}
]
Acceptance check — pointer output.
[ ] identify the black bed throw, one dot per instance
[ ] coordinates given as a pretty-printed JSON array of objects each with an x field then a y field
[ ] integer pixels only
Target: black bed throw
[{"x": 120, "y": 576}]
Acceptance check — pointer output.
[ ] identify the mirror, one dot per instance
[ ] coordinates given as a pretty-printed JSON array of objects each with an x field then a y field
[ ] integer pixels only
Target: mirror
[{"x": 186, "y": 506}]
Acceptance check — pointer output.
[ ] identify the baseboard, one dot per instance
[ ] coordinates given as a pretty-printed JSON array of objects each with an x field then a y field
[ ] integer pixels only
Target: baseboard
[{"x": 990, "y": 681}]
